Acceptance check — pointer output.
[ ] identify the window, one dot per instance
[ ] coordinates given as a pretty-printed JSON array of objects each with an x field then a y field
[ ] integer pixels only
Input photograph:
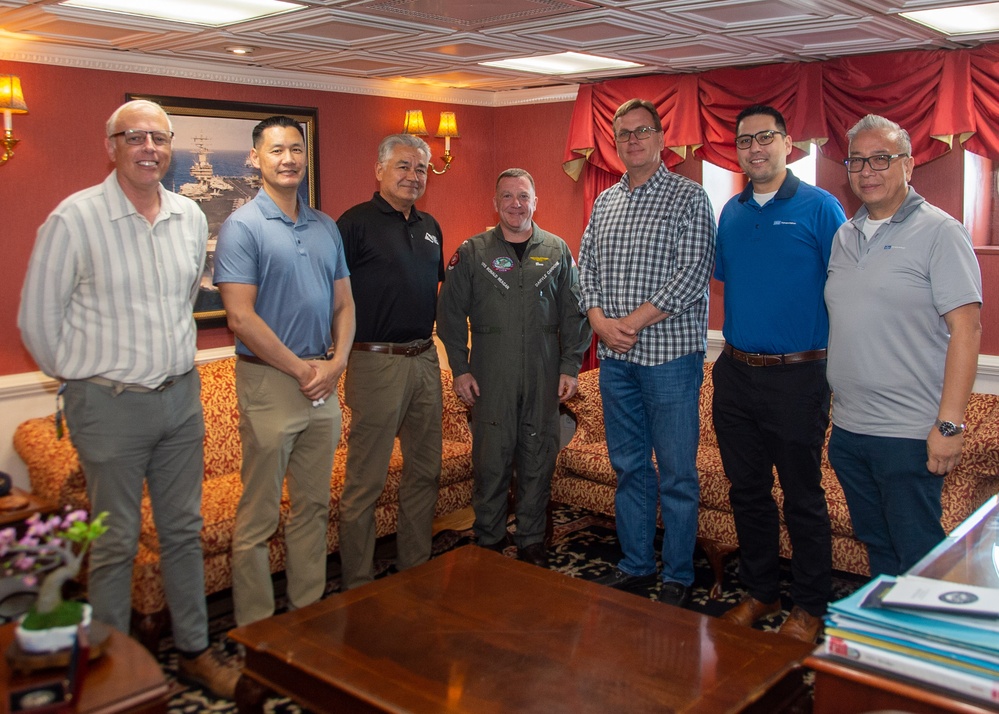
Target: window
[{"x": 722, "y": 184}]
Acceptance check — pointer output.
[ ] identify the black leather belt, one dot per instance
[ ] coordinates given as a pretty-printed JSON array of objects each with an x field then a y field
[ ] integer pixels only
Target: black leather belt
[
  {"x": 755, "y": 359},
  {"x": 409, "y": 349}
]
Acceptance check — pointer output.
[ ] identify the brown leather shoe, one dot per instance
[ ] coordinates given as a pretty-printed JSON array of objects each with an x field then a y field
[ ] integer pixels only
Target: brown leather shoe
[
  {"x": 749, "y": 610},
  {"x": 801, "y": 626},
  {"x": 211, "y": 671}
]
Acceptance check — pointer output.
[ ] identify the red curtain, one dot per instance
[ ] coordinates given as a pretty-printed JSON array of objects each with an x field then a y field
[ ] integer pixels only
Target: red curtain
[{"x": 943, "y": 98}]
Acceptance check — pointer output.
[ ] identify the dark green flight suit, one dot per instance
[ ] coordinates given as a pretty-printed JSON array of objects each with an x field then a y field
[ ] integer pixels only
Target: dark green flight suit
[{"x": 526, "y": 330}]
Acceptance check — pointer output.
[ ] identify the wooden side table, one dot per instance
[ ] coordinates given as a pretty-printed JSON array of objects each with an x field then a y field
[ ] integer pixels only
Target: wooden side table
[
  {"x": 126, "y": 678},
  {"x": 19, "y": 505},
  {"x": 842, "y": 689}
]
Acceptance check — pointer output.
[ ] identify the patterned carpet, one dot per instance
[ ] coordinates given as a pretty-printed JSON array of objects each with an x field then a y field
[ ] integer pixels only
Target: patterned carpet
[{"x": 584, "y": 545}]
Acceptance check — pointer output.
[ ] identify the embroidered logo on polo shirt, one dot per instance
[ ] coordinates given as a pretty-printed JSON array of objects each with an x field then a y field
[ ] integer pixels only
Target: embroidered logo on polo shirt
[
  {"x": 785, "y": 223},
  {"x": 431, "y": 238}
]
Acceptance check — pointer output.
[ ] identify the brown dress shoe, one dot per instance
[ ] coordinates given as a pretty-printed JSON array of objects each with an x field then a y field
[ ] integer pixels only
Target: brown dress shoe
[
  {"x": 211, "y": 671},
  {"x": 801, "y": 626},
  {"x": 750, "y": 610}
]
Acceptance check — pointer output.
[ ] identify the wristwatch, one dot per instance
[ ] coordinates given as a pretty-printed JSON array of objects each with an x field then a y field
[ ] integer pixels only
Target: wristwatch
[{"x": 949, "y": 428}]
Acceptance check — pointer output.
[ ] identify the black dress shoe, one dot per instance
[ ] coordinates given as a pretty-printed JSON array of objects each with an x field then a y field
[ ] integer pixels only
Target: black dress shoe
[
  {"x": 535, "y": 554},
  {"x": 674, "y": 594},
  {"x": 497, "y": 547},
  {"x": 619, "y": 580}
]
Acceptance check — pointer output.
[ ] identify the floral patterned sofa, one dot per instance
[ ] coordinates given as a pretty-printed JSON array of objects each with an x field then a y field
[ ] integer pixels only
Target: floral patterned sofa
[
  {"x": 584, "y": 477},
  {"x": 55, "y": 474}
]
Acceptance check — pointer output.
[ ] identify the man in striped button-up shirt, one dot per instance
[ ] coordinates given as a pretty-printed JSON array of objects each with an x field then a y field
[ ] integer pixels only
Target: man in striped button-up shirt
[
  {"x": 644, "y": 266},
  {"x": 107, "y": 308}
]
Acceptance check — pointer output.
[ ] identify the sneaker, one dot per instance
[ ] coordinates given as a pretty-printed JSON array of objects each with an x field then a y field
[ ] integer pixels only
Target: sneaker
[{"x": 211, "y": 671}]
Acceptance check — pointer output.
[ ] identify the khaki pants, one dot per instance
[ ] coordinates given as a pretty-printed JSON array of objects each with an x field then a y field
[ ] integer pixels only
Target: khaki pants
[
  {"x": 284, "y": 438},
  {"x": 390, "y": 395}
]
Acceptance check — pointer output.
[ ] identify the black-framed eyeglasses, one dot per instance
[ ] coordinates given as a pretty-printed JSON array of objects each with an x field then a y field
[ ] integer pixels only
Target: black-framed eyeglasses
[
  {"x": 641, "y": 133},
  {"x": 137, "y": 137},
  {"x": 878, "y": 162},
  {"x": 763, "y": 138}
]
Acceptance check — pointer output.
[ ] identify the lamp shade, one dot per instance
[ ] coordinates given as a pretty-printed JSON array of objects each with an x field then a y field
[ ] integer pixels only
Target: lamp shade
[
  {"x": 448, "y": 126},
  {"x": 11, "y": 97},
  {"x": 414, "y": 123}
]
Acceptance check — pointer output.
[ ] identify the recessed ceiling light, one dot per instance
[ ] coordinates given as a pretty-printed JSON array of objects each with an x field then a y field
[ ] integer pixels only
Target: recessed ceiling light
[
  {"x": 959, "y": 20},
  {"x": 240, "y": 49},
  {"x": 213, "y": 13},
  {"x": 563, "y": 63}
]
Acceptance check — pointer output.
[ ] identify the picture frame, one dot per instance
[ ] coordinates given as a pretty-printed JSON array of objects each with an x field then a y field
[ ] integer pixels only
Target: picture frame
[{"x": 204, "y": 128}]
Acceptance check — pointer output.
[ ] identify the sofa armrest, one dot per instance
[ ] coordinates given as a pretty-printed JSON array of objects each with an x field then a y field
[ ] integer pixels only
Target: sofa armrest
[{"x": 53, "y": 464}]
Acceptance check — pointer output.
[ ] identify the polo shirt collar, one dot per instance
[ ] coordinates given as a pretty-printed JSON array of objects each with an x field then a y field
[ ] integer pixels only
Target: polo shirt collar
[
  {"x": 912, "y": 201},
  {"x": 386, "y": 207},
  {"x": 787, "y": 189},
  {"x": 269, "y": 209}
]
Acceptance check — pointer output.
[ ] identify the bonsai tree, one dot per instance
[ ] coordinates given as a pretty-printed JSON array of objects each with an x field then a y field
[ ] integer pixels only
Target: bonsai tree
[{"x": 50, "y": 553}]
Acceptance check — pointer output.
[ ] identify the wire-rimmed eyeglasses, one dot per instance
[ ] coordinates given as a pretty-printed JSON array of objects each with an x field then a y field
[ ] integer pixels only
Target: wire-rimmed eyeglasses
[{"x": 137, "y": 137}]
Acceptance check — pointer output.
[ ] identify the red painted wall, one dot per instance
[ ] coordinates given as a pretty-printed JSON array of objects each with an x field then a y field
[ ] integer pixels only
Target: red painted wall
[{"x": 62, "y": 152}]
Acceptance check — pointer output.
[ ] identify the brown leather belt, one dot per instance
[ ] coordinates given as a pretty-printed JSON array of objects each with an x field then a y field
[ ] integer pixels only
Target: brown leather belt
[
  {"x": 754, "y": 359},
  {"x": 409, "y": 349},
  {"x": 252, "y": 359}
]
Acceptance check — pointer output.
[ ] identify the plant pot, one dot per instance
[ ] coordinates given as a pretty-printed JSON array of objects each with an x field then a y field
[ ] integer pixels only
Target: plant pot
[{"x": 50, "y": 640}]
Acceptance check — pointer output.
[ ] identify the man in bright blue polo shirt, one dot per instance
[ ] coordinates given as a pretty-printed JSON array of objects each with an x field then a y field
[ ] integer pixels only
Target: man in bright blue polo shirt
[
  {"x": 771, "y": 398},
  {"x": 280, "y": 268}
]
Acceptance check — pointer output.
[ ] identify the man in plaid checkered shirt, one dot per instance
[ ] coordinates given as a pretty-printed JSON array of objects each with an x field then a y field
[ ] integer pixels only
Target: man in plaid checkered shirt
[{"x": 644, "y": 266}]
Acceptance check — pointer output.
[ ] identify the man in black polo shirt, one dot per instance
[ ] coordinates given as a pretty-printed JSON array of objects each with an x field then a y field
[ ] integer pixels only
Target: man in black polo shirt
[{"x": 393, "y": 386}]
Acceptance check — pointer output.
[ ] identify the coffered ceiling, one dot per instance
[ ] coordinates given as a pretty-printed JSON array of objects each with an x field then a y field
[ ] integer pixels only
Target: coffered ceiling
[{"x": 436, "y": 45}]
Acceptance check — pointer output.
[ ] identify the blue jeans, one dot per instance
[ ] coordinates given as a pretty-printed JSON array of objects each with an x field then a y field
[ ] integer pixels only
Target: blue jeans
[
  {"x": 646, "y": 410},
  {"x": 894, "y": 499}
]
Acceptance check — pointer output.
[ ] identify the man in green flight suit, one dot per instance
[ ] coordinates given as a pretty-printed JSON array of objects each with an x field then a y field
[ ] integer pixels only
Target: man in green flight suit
[{"x": 517, "y": 286}]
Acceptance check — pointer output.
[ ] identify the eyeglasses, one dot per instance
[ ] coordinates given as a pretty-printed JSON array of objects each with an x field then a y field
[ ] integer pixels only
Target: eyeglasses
[
  {"x": 641, "y": 133},
  {"x": 763, "y": 138},
  {"x": 137, "y": 137},
  {"x": 881, "y": 162}
]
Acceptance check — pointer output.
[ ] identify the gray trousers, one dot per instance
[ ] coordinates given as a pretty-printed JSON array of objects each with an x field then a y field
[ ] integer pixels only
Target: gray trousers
[{"x": 123, "y": 441}]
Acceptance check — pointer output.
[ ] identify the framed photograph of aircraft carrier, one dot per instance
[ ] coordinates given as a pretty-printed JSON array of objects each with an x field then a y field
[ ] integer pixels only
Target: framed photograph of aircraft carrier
[{"x": 211, "y": 165}]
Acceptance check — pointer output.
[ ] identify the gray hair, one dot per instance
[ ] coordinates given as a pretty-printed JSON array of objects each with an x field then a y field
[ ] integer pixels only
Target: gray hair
[
  {"x": 873, "y": 122},
  {"x": 390, "y": 142},
  {"x": 134, "y": 104},
  {"x": 515, "y": 173}
]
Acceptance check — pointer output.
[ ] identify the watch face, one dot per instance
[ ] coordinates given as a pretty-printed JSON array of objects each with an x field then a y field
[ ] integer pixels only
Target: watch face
[{"x": 949, "y": 428}]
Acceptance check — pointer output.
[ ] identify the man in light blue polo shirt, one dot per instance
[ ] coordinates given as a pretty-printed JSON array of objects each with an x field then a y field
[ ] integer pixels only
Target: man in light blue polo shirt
[
  {"x": 904, "y": 293},
  {"x": 280, "y": 269}
]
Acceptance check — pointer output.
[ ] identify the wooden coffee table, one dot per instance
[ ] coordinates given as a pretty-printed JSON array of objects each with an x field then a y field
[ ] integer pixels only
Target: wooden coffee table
[
  {"x": 126, "y": 678},
  {"x": 473, "y": 631}
]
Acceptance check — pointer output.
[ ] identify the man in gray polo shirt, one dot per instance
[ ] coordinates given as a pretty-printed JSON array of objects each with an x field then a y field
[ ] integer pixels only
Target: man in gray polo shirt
[{"x": 904, "y": 294}]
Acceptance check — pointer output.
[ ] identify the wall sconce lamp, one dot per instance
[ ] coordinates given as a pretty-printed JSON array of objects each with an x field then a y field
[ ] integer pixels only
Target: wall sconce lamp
[
  {"x": 448, "y": 128},
  {"x": 11, "y": 102}
]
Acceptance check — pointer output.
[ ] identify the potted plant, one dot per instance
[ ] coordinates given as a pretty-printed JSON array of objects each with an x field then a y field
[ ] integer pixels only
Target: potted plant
[{"x": 49, "y": 554}]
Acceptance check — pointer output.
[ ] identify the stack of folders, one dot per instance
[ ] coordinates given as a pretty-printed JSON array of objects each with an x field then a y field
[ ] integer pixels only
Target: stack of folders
[{"x": 936, "y": 632}]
